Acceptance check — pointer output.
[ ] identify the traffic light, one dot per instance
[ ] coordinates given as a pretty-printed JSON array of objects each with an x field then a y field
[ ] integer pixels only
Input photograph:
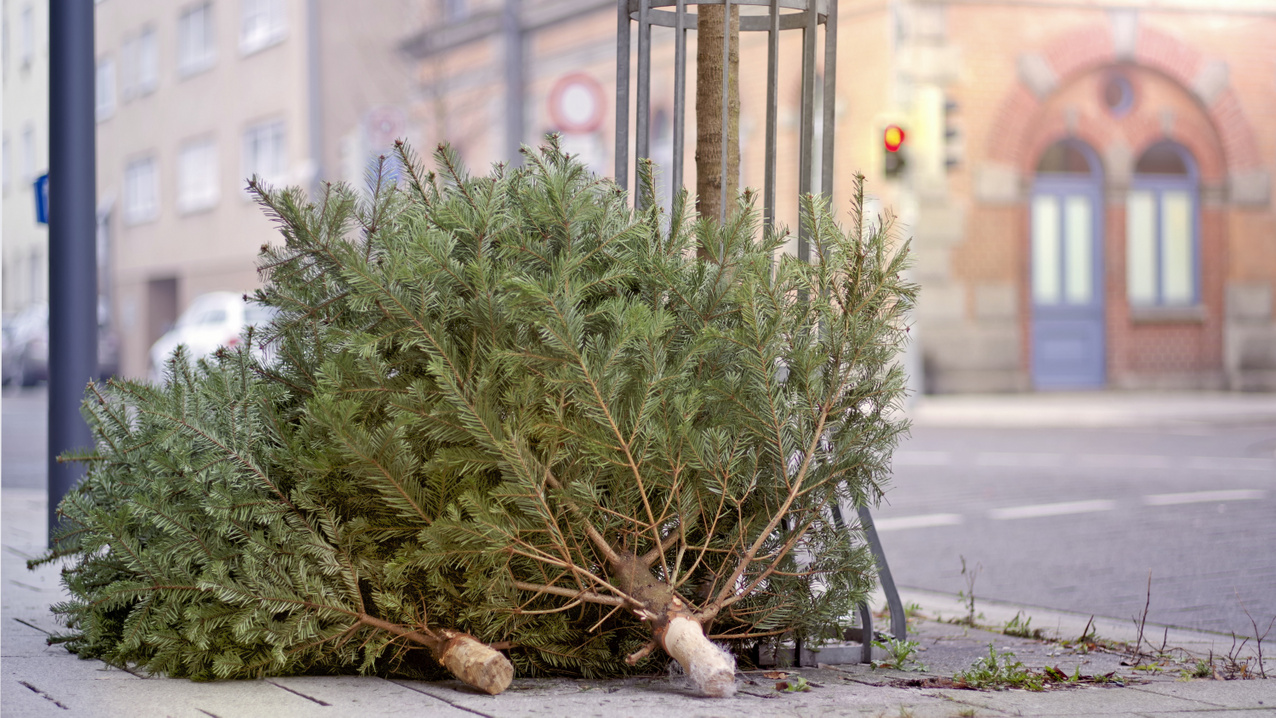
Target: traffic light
[
  {"x": 895, "y": 157},
  {"x": 952, "y": 135}
]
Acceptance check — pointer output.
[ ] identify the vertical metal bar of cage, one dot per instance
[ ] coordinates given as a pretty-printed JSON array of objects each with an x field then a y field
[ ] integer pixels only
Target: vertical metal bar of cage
[
  {"x": 642, "y": 123},
  {"x": 679, "y": 93},
  {"x": 808, "y": 123},
  {"x": 772, "y": 98},
  {"x": 622, "y": 93},
  {"x": 726, "y": 97},
  {"x": 829, "y": 100}
]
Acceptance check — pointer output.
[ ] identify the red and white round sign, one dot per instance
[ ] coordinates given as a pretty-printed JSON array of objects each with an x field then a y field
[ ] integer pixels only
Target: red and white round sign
[{"x": 576, "y": 103}]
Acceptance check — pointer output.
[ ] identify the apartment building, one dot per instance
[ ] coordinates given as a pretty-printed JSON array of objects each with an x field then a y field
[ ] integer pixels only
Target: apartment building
[
  {"x": 1088, "y": 185},
  {"x": 192, "y": 99},
  {"x": 25, "y": 156}
]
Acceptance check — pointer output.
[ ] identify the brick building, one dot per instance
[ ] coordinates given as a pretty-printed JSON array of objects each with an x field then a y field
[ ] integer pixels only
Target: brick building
[{"x": 1088, "y": 184}]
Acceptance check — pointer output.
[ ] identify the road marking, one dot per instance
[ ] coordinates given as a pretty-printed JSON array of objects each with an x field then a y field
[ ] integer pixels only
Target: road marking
[
  {"x": 917, "y": 522},
  {"x": 923, "y": 458},
  {"x": 998, "y": 458},
  {"x": 1230, "y": 463},
  {"x": 1203, "y": 497},
  {"x": 1124, "y": 461},
  {"x": 1038, "y": 510}
]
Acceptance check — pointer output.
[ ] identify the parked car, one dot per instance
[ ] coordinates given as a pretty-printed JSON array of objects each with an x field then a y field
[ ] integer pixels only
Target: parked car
[
  {"x": 26, "y": 346},
  {"x": 212, "y": 320}
]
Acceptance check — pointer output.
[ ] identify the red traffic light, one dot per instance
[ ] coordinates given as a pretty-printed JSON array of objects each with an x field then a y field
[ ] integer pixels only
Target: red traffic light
[{"x": 894, "y": 138}]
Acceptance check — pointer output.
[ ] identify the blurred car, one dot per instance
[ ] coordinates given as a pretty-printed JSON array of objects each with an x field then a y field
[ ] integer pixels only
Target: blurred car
[
  {"x": 26, "y": 346},
  {"x": 212, "y": 320}
]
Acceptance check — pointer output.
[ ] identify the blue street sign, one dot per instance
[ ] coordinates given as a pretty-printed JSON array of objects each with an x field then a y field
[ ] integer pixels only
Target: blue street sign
[{"x": 42, "y": 199}]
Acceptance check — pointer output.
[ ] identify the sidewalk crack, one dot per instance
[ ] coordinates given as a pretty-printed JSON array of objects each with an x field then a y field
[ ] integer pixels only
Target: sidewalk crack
[
  {"x": 44, "y": 695},
  {"x": 458, "y": 706},
  {"x": 32, "y": 625},
  {"x": 299, "y": 693}
]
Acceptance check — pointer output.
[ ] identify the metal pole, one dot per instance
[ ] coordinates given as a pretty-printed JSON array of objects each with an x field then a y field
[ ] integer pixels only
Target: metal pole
[
  {"x": 622, "y": 93},
  {"x": 72, "y": 246},
  {"x": 679, "y": 92},
  {"x": 772, "y": 99},
  {"x": 808, "y": 124},
  {"x": 829, "y": 99},
  {"x": 515, "y": 81},
  {"x": 642, "y": 123}
]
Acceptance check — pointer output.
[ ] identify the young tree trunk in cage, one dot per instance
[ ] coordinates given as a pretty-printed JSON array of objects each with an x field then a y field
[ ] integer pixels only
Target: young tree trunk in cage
[{"x": 710, "y": 143}]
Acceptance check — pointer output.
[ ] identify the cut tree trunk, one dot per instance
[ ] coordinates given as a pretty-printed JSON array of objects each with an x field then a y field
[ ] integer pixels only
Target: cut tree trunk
[
  {"x": 469, "y": 659},
  {"x": 710, "y": 144}
]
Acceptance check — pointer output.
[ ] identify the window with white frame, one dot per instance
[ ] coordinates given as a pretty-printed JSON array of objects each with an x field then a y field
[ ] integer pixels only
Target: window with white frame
[
  {"x": 196, "y": 48},
  {"x": 26, "y": 37},
  {"x": 139, "y": 64},
  {"x": 197, "y": 175},
  {"x": 141, "y": 190},
  {"x": 7, "y": 159},
  {"x": 104, "y": 104},
  {"x": 264, "y": 153},
  {"x": 1162, "y": 256},
  {"x": 261, "y": 25},
  {"x": 28, "y": 153}
]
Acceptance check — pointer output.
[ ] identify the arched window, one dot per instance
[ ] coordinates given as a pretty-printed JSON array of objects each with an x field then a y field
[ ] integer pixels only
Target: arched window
[{"x": 1161, "y": 232}]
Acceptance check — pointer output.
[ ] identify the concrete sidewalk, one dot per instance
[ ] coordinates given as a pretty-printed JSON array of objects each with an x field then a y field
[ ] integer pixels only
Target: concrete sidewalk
[
  {"x": 1097, "y": 409},
  {"x": 42, "y": 680}
]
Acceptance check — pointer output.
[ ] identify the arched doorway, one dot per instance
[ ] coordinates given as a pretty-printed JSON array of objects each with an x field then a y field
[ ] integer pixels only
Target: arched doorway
[{"x": 1066, "y": 276}]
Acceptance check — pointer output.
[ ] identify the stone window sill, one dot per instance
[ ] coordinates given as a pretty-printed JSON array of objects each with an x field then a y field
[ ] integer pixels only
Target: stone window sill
[{"x": 1168, "y": 315}]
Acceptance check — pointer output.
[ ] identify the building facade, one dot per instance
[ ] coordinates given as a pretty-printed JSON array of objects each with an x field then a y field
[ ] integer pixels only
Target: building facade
[
  {"x": 1088, "y": 186},
  {"x": 25, "y": 65},
  {"x": 195, "y": 97}
]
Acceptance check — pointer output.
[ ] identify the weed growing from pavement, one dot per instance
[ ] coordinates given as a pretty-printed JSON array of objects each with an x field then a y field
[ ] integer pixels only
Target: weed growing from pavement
[
  {"x": 901, "y": 655},
  {"x": 969, "y": 594},
  {"x": 998, "y": 672},
  {"x": 1021, "y": 627}
]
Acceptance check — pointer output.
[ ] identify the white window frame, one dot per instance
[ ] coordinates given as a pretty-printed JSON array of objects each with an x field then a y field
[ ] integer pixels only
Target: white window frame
[
  {"x": 146, "y": 62},
  {"x": 128, "y": 67},
  {"x": 262, "y": 23},
  {"x": 191, "y": 59},
  {"x": 104, "y": 89},
  {"x": 141, "y": 190},
  {"x": 1154, "y": 241},
  {"x": 6, "y": 158},
  {"x": 265, "y": 151},
  {"x": 198, "y": 179},
  {"x": 26, "y": 37},
  {"x": 28, "y": 153}
]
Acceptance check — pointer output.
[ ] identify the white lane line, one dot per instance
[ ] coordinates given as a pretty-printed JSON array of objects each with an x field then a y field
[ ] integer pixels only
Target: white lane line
[
  {"x": 998, "y": 458},
  {"x": 923, "y": 458},
  {"x": 1038, "y": 510},
  {"x": 1124, "y": 461},
  {"x": 1204, "y": 497},
  {"x": 1230, "y": 463},
  {"x": 917, "y": 522}
]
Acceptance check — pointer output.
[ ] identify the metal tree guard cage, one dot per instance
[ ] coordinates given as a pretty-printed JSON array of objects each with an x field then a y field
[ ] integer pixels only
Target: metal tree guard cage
[{"x": 803, "y": 15}]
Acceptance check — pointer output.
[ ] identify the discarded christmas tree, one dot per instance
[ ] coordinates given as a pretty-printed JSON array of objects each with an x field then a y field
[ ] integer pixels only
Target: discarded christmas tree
[
  {"x": 516, "y": 408},
  {"x": 199, "y": 552}
]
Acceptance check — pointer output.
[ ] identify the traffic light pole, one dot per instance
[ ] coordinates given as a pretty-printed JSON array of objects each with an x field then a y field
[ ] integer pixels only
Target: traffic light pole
[{"x": 72, "y": 248}]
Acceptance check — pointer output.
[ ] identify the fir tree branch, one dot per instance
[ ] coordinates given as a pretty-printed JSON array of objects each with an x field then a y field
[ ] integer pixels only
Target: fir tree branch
[{"x": 577, "y": 595}]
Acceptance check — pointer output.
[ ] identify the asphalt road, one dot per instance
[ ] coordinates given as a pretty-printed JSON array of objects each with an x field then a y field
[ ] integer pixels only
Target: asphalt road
[
  {"x": 1077, "y": 519},
  {"x": 1069, "y": 519},
  {"x": 24, "y": 441}
]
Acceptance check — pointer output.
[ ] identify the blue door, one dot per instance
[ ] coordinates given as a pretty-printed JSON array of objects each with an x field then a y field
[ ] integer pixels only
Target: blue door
[{"x": 1067, "y": 271}]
